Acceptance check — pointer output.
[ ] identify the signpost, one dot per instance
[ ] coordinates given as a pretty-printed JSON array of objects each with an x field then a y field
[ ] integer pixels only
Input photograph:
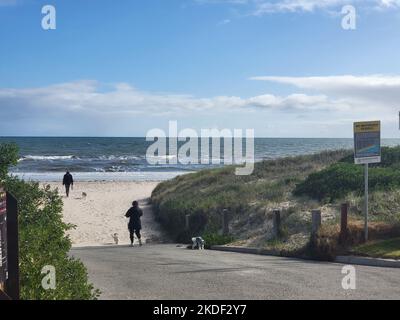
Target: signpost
[
  {"x": 3, "y": 238},
  {"x": 9, "y": 252},
  {"x": 367, "y": 149}
]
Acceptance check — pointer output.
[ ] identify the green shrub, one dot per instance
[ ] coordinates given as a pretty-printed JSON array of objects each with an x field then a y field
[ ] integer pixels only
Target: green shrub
[
  {"x": 216, "y": 239},
  {"x": 333, "y": 182},
  {"x": 390, "y": 157},
  {"x": 8, "y": 157},
  {"x": 338, "y": 180},
  {"x": 42, "y": 240}
]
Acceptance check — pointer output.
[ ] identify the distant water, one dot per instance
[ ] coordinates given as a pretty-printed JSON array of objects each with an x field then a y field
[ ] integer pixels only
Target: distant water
[{"x": 125, "y": 158}]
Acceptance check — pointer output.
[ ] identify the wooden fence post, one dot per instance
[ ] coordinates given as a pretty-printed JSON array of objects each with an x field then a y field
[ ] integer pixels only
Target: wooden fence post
[
  {"x": 343, "y": 222},
  {"x": 277, "y": 223},
  {"x": 225, "y": 222},
  {"x": 316, "y": 222},
  {"x": 187, "y": 221}
]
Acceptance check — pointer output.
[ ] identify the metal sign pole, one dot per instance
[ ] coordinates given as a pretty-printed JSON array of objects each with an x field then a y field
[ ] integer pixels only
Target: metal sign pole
[
  {"x": 367, "y": 149},
  {"x": 366, "y": 202}
]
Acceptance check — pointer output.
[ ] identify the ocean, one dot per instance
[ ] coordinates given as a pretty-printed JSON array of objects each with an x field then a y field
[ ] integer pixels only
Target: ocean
[{"x": 89, "y": 159}]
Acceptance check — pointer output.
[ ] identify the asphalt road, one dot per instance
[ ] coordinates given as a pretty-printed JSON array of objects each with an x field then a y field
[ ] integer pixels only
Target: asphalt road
[{"x": 165, "y": 271}]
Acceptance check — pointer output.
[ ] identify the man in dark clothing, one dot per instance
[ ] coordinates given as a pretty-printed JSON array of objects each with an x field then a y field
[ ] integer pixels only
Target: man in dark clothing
[
  {"x": 68, "y": 181},
  {"x": 134, "y": 225}
]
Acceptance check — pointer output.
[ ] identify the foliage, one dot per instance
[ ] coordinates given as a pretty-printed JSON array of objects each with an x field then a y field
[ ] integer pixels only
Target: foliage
[
  {"x": 215, "y": 239},
  {"x": 390, "y": 157},
  {"x": 340, "y": 179},
  {"x": 42, "y": 241},
  {"x": 8, "y": 157},
  {"x": 333, "y": 182}
]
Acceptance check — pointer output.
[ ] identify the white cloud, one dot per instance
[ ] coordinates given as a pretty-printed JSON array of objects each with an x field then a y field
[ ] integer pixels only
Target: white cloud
[
  {"x": 261, "y": 7},
  {"x": 296, "y": 5},
  {"x": 86, "y": 97},
  {"x": 381, "y": 90},
  {"x": 331, "y": 93},
  {"x": 352, "y": 97},
  {"x": 389, "y": 3},
  {"x": 223, "y": 22},
  {"x": 90, "y": 106}
]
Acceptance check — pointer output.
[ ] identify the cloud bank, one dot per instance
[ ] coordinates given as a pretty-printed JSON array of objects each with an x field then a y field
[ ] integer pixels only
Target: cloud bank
[
  {"x": 378, "y": 92},
  {"x": 94, "y": 106},
  {"x": 89, "y": 97},
  {"x": 262, "y": 7}
]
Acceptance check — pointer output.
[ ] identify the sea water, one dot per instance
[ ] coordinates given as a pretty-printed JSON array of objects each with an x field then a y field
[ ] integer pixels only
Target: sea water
[{"x": 93, "y": 159}]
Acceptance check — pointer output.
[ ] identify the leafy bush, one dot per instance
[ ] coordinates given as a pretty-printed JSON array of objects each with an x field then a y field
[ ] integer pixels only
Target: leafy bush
[
  {"x": 338, "y": 180},
  {"x": 215, "y": 239},
  {"x": 333, "y": 182},
  {"x": 390, "y": 157},
  {"x": 42, "y": 240},
  {"x": 8, "y": 157}
]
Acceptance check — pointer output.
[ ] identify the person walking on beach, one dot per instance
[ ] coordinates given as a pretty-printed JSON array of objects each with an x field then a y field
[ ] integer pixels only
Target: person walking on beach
[
  {"x": 68, "y": 181},
  {"x": 134, "y": 225}
]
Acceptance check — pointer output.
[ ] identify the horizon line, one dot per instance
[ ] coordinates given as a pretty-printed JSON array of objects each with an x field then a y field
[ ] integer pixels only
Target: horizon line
[{"x": 168, "y": 137}]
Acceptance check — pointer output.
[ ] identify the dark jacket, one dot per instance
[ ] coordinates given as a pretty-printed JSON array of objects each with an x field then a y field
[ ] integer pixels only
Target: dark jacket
[
  {"x": 68, "y": 179},
  {"x": 134, "y": 214}
]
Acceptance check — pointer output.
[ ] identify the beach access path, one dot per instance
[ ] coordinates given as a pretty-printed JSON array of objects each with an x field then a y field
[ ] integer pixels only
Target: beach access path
[
  {"x": 167, "y": 271},
  {"x": 170, "y": 271},
  {"x": 97, "y": 209}
]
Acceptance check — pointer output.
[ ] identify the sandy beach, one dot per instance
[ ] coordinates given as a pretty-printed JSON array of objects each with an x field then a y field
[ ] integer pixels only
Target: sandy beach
[{"x": 101, "y": 212}]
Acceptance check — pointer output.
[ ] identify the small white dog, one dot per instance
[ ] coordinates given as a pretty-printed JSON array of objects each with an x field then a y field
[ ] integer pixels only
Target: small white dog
[
  {"x": 115, "y": 237},
  {"x": 198, "y": 243}
]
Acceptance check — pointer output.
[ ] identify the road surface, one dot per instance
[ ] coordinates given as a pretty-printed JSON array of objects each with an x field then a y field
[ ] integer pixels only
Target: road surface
[{"x": 165, "y": 271}]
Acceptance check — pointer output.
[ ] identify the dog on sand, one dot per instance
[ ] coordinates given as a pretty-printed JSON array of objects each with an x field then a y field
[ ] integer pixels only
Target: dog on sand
[{"x": 115, "y": 237}]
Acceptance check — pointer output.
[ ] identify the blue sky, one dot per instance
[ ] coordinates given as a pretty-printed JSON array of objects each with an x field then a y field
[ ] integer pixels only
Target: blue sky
[{"x": 285, "y": 68}]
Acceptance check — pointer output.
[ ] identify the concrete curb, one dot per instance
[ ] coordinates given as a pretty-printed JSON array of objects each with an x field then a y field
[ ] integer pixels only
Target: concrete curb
[
  {"x": 366, "y": 261},
  {"x": 247, "y": 250}
]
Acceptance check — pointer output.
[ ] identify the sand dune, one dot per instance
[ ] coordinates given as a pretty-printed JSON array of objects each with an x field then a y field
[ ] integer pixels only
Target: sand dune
[{"x": 102, "y": 212}]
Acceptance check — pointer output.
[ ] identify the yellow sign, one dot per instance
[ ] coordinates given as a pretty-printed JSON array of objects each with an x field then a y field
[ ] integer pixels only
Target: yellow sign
[
  {"x": 367, "y": 142},
  {"x": 368, "y": 126}
]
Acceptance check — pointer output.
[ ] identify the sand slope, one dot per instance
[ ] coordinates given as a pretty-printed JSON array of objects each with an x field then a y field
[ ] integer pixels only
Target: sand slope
[{"x": 102, "y": 212}]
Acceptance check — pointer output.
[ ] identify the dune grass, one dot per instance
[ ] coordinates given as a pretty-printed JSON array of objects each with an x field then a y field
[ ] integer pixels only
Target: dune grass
[
  {"x": 204, "y": 194},
  {"x": 326, "y": 179}
]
